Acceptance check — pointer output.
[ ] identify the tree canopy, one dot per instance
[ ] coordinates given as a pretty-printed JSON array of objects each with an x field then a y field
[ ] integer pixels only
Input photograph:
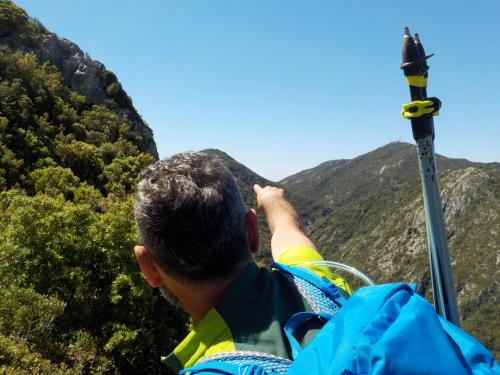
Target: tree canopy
[{"x": 73, "y": 300}]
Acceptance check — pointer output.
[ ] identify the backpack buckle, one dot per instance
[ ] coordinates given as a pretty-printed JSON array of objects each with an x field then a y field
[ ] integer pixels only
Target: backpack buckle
[{"x": 333, "y": 289}]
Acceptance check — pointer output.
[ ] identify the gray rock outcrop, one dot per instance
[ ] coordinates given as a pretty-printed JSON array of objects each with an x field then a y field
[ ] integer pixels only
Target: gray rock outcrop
[{"x": 80, "y": 73}]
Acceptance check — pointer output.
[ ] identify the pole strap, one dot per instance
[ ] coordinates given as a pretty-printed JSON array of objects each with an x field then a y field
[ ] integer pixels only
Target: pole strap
[
  {"x": 419, "y": 108},
  {"x": 417, "y": 81}
]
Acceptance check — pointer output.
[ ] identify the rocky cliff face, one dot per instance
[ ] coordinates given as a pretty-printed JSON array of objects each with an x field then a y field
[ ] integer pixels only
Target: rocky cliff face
[{"x": 82, "y": 74}]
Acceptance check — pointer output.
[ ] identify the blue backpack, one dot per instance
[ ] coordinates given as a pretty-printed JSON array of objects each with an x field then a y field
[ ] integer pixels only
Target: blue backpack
[{"x": 382, "y": 329}]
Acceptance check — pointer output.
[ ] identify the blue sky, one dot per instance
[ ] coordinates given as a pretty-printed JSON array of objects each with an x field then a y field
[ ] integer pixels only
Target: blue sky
[{"x": 285, "y": 85}]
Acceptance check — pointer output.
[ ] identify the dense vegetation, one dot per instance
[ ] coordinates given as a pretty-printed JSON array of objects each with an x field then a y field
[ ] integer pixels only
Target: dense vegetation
[{"x": 72, "y": 297}]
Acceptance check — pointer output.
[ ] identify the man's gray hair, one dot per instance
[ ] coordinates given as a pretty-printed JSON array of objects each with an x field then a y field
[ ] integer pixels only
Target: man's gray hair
[{"x": 190, "y": 215}]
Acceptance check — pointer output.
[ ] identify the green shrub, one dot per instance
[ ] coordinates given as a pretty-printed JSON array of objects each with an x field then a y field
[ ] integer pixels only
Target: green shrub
[{"x": 54, "y": 181}]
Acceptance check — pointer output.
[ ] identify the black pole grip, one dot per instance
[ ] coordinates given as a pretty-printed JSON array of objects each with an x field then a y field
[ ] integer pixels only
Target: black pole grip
[{"x": 415, "y": 64}]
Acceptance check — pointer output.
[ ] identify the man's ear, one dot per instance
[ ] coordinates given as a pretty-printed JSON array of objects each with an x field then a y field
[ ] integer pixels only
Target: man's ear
[
  {"x": 148, "y": 266},
  {"x": 253, "y": 230}
]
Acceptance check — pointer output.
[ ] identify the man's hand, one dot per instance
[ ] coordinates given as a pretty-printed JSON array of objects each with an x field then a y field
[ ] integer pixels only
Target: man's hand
[
  {"x": 267, "y": 194},
  {"x": 271, "y": 200},
  {"x": 283, "y": 220}
]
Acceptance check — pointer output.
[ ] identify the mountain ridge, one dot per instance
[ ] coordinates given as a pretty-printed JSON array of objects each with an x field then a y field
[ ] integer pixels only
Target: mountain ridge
[{"x": 368, "y": 212}]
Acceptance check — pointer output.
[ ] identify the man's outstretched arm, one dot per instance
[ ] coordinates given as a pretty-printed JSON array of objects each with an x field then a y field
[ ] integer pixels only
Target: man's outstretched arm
[{"x": 283, "y": 220}]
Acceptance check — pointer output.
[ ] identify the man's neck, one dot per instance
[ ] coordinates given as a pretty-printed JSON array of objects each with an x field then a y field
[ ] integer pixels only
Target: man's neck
[
  {"x": 197, "y": 300},
  {"x": 198, "y": 303}
]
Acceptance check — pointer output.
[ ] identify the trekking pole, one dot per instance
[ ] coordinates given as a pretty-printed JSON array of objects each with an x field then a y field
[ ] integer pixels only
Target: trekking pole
[{"x": 421, "y": 111}]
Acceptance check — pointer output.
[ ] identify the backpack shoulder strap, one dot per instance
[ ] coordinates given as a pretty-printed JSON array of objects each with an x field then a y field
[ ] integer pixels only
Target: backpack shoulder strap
[
  {"x": 320, "y": 293},
  {"x": 214, "y": 368},
  {"x": 240, "y": 362},
  {"x": 224, "y": 368}
]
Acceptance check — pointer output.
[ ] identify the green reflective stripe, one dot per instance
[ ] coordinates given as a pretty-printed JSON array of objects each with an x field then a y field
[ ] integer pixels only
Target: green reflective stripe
[{"x": 211, "y": 335}]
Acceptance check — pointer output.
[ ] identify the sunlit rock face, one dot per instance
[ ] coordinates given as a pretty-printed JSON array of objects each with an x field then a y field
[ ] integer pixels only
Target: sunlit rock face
[{"x": 82, "y": 74}]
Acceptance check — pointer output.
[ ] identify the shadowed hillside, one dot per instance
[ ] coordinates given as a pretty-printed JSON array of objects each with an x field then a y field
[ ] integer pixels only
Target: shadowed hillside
[{"x": 246, "y": 179}]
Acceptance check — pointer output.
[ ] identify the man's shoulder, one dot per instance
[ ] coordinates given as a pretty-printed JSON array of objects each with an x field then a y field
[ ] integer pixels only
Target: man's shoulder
[
  {"x": 304, "y": 256},
  {"x": 298, "y": 254}
]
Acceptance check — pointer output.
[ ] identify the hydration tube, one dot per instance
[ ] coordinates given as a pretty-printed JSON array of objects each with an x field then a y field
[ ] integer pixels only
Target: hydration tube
[{"x": 341, "y": 266}]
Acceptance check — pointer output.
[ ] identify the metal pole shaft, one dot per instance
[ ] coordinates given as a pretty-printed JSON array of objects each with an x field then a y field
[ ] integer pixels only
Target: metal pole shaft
[
  {"x": 416, "y": 71},
  {"x": 441, "y": 274}
]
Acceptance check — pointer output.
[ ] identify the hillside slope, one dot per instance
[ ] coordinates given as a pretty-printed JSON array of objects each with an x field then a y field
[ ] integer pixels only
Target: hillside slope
[
  {"x": 376, "y": 223},
  {"x": 246, "y": 179}
]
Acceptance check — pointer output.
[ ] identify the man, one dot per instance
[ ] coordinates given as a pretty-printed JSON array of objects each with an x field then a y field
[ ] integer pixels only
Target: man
[{"x": 198, "y": 244}]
